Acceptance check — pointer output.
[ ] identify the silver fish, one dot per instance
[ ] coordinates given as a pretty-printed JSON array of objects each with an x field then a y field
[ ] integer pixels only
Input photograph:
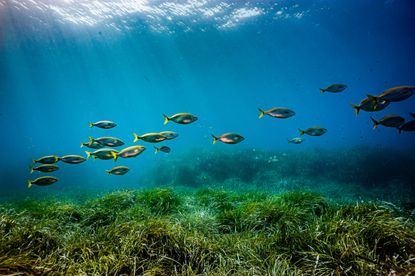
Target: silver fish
[
  {"x": 277, "y": 112},
  {"x": 129, "y": 152},
  {"x": 296, "y": 140},
  {"x": 107, "y": 141},
  {"x": 50, "y": 159},
  {"x": 165, "y": 149},
  {"x": 169, "y": 134},
  {"x": 151, "y": 137},
  {"x": 180, "y": 118},
  {"x": 103, "y": 154},
  {"x": 313, "y": 131},
  {"x": 334, "y": 88},
  {"x": 103, "y": 124},
  {"x": 42, "y": 181},
  {"x": 229, "y": 138},
  {"x": 120, "y": 170},
  {"x": 72, "y": 159},
  {"x": 44, "y": 168},
  {"x": 388, "y": 121}
]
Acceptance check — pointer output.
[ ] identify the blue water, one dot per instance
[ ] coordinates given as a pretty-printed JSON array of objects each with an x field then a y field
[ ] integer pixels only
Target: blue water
[{"x": 66, "y": 63}]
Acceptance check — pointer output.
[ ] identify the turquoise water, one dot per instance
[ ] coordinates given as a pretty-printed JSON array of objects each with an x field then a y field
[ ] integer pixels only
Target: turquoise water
[{"x": 66, "y": 63}]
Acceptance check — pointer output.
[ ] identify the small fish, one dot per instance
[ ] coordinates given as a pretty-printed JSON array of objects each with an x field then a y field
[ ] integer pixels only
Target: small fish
[
  {"x": 152, "y": 137},
  {"x": 277, "y": 112},
  {"x": 313, "y": 131},
  {"x": 107, "y": 141},
  {"x": 228, "y": 138},
  {"x": 297, "y": 140},
  {"x": 408, "y": 126},
  {"x": 368, "y": 104},
  {"x": 103, "y": 154},
  {"x": 388, "y": 121},
  {"x": 50, "y": 159},
  {"x": 72, "y": 159},
  {"x": 169, "y": 134},
  {"x": 129, "y": 152},
  {"x": 120, "y": 170},
  {"x": 180, "y": 118},
  {"x": 42, "y": 181},
  {"x": 394, "y": 94},
  {"x": 334, "y": 88},
  {"x": 44, "y": 168},
  {"x": 92, "y": 145},
  {"x": 103, "y": 124},
  {"x": 165, "y": 149}
]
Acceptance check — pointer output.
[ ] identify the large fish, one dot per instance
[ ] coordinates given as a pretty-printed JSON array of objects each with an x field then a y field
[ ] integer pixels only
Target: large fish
[
  {"x": 165, "y": 149},
  {"x": 313, "y": 131},
  {"x": 368, "y": 104},
  {"x": 45, "y": 168},
  {"x": 107, "y": 141},
  {"x": 180, "y": 118},
  {"x": 229, "y": 138},
  {"x": 151, "y": 137},
  {"x": 103, "y": 154},
  {"x": 169, "y": 134},
  {"x": 129, "y": 152},
  {"x": 119, "y": 170},
  {"x": 394, "y": 94},
  {"x": 72, "y": 159},
  {"x": 50, "y": 159},
  {"x": 277, "y": 112},
  {"x": 42, "y": 181},
  {"x": 103, "y": 124},
  {"x": 334, "y": 88},
  {"x": 388, "y": 121}
]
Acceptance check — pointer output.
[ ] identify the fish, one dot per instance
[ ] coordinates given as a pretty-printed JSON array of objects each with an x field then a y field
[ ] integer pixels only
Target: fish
[
  {"x": 277, "y": 112},
  {"x": 394, "y": 94},
  {"x": 229, "y": 138},
  {"x": 107, "y": 141},
  {"x": 165, "y": 149},
  {"x": 313, "y": 131},
  {"x": 42, "y": 181},
  {"x": 334, "y": 88},
  {"x": 50, "y": 159},
  {"x": 296, "y": 140},
  {"x": 92, "y": 145},
  {"x": 180, "y": 118},
  {"x": 119, "y": 170},
  {"x": 368, "y": 104},
  {"x": 129, "y": 152},
  {"x": 72, "y": 159},
  {"x": 103, "y": 154},
  {"x": 151, "y": 137},
  {"x": 388, "y": 121},
  {"x": 169, "y": 134},
  {"x": 408, "y": 126},
  {"x": 103, "y": 124},
  {"x": 44, "y": 168}
]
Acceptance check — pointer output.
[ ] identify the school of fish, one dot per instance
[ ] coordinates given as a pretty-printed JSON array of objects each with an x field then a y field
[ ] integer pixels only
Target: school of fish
[{"x": 104, "y": 146}]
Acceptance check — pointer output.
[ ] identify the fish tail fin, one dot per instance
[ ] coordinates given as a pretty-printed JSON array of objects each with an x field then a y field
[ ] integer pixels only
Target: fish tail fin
[
  {"x": 322, "y": 90},
  {"x": 166, "y": 118},
  {"x": 136, "y": 137},
  {"x": 157, "y": 149},
  {"x": 114, "y": 155},
  {"x": 82, "y": 144},
  {"x": 375, "y": 123},
  {"x": 31, "y": 170},
  {"x": 33, "y": 161},
  {"x": 288, "y": 141},
  {"x": 108, "y": 172},
  {"x": 261, "y": 114},
  {"x": 91, "y": 124},
  {"x": 29, "y": 184},
  {"x": 88, "y": 154},
  {"x": 400, "y": 130},
  {"x": 356, "y": 108},
  {"x": 301, "y": 132},
  {"x": 214, "y": 139},
  {"x": 90, "y": 139},
  {"x": 412, "y": 114}
]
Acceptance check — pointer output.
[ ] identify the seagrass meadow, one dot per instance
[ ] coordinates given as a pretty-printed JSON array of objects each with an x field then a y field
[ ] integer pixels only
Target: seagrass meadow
[{"x": 253, "y": 217}]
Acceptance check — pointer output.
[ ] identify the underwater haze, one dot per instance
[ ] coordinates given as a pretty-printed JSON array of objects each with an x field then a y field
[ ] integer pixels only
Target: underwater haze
[{"x": 338, "y": 201}]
